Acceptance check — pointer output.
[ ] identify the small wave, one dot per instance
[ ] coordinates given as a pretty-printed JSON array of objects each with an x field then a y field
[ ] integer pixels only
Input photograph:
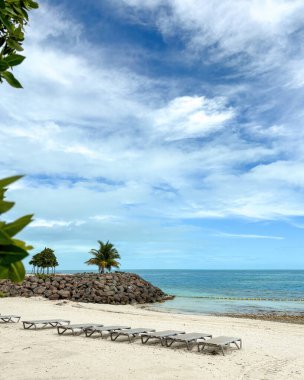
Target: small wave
[{"x": 243, "y": 298}]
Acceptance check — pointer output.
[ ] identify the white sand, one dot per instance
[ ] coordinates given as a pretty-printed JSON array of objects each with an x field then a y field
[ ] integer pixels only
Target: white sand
[{"x": 271, "y": 350}]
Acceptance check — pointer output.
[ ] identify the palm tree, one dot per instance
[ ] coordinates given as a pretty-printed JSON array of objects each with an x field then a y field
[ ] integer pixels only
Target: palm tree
[{"x": 105, "y": 257}]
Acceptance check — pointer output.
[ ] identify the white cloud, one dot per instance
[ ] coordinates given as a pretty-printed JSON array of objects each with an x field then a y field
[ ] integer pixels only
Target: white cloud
[
  {"x": 247, "y": 236},
  {"x": 188, "y": 116},
  {"x": 42, "y": 223}
]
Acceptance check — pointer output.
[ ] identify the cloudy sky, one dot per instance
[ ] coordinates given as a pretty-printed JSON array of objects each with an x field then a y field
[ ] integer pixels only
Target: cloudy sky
[{"x": 172, "y": 128}]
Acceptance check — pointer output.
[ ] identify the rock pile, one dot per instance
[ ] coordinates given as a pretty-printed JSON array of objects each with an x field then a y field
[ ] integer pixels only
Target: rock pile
[{"x": 112, "y": 288}]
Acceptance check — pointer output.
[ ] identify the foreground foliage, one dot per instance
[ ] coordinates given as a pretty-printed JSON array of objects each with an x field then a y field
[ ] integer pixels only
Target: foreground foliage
[
  {"x": 13, "y": 18},
  {"x": 105, "y": 257},
  {"x": 12, "y": 250}
]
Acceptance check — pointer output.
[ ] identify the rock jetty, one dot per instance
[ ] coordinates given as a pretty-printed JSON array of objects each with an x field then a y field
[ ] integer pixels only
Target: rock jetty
[{"x": 111, "y": 288}]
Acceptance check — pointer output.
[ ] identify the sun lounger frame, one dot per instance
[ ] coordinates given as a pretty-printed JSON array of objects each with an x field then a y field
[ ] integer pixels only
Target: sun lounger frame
[
  {"x": 52, "y": 322},
  {"x": 221, "y": 343},
  {"x": 190, "y": 341},
  {"x": 9, "y": 318},
  {"x": 104, "y": 329},
  {"x": 161, "y": 337},
  {"x": 132, "y": 334},
  {"x": 82, "y": 327}
]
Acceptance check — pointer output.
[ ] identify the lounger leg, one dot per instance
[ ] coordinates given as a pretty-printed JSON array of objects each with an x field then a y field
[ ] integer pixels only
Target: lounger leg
[
  {"x": 203, "y": 346},
  {"x": 236, "y": 345},
  {"x": 144, "y": 339},
  {"x": 114, "y": 336},
  {"x": 59, "y": 330},
  {"x": 169, "y": 342},
  {"x": 89, "y": 332},
  {"x": 222, "y": 349},
  {"x": 29, "y": 325},
  {"x": 190, "y": 345}
]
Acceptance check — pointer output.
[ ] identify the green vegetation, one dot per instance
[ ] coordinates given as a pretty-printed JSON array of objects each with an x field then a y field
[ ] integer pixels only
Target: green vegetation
[
  {"x": 105, "y": 257},
  {"x": 12, "y": 251},
  {"x": 13, "y": 19},
  {"x": 46, "y": 259},
  {"x": 43, "y": 276}
]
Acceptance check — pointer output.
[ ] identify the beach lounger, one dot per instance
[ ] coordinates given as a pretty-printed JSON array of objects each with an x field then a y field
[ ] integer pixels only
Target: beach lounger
[
  {"x": 101, "y": 329},
  {"x": 160, "y": 335},
  {"x": 221, "y": 342},
  {"x": 190, "y": 339},
  {"x": 44, "y": 322},
  {"x": 9, "y": 318},
  {"x": 79, "y": 328},
  {"x": 132, "y": 334}
]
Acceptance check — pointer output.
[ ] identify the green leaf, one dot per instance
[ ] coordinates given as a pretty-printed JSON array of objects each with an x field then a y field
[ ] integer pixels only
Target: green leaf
[
  {"x": 9, "y": 77},
  {"x": 32, "y": 4},
  {"x": 14, "y": 45},
  {"x": 13, "y": 228},
  {"x": 5, "y": 238},
  {"x": 3, "y": 65},
  {"x": 7, "y": 260},
  {"x": 12, "y": 249},
  {"x": 10, "y": 254},
  {"x": 5, "y": 22},
  {"x": 11, "y": 12},
  {"x": 2, "y": 192},
  {"x": 2, "y": 4},
  {"x": 25, "y": 14},
  {"x": 17, "y": 272},
  {"x": 22, "y": 244},
  {"x": 5, "y": 206},
  {"x": 13, "y": 60},
  {"x": 8, "y": 180},
  {"x": 17, "y": 10},
  {"x": 4, "y": 272}
]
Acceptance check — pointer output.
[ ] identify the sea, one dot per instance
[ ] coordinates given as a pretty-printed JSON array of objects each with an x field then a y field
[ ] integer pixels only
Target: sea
[{"x": 228, "y": 291}]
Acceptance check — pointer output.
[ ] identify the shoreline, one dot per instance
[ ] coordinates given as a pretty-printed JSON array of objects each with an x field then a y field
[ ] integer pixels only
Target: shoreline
[{"x": 270, "y": 317}]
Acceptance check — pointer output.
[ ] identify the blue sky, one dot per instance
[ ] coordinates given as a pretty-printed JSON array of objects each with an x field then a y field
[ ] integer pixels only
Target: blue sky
[{"x": 173, "y": 129}]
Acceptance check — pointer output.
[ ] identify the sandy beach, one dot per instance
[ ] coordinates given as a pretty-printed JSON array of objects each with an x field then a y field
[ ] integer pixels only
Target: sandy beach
[{"x": 271, "y": 350}]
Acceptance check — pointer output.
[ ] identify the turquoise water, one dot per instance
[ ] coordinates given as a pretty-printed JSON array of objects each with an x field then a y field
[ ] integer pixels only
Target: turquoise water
[{"x": 196, "y": 290}]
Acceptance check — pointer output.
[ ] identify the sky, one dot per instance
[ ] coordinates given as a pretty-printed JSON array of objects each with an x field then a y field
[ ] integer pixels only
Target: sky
[{"x": 172, "y": 128}]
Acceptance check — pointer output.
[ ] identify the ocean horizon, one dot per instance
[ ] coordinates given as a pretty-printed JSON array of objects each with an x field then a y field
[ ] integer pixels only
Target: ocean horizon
[{"x": 225, "y": 291}]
